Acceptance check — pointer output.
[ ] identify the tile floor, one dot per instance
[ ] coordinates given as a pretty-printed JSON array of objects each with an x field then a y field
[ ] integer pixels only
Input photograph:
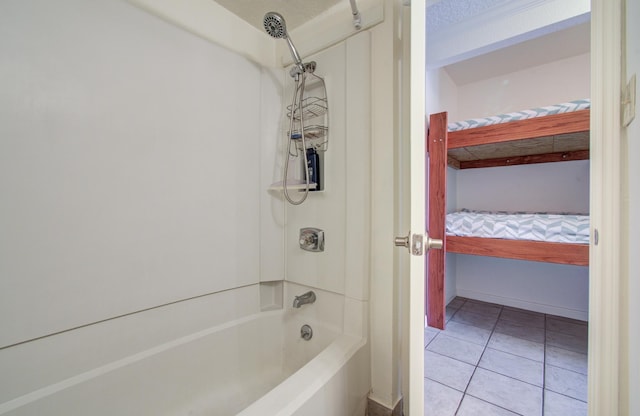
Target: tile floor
[{"x": 497, "y": 360}]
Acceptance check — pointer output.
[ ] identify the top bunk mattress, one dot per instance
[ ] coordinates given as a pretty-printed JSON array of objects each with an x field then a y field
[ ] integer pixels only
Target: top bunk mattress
[
  {"x": 576, "y": 105},
  {"x": 557, "y": 228}
]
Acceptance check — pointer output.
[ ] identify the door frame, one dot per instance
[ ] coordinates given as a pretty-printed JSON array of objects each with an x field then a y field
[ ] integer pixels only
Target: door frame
[
  {"x": 605, "y": 203},
  {"x": 605, "y": 179}
]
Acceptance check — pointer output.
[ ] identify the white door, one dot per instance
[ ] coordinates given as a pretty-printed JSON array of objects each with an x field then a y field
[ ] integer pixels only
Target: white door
[
  {"x": 418, "y": 208},
  {"x": 416, "y": 239}
]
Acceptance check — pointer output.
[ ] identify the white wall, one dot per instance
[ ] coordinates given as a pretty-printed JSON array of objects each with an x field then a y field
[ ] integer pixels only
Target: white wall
[
  {"x": 134, "y": 159},
  {"x": 557, "y": 187},
  {"x": 551, "y": 83},
  {"x": 442, "y": 92}
]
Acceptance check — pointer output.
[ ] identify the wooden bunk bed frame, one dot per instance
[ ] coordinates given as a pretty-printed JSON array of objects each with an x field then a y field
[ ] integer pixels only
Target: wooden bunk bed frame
[{"x": 552, "y": 138}]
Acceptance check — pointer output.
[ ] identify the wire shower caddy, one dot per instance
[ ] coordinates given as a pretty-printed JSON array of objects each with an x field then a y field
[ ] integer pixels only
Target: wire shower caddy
[{"x": 311, "y": 116}]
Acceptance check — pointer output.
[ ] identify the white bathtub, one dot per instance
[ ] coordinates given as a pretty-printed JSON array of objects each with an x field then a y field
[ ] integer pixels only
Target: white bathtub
[{"x": 257, "y": 365}]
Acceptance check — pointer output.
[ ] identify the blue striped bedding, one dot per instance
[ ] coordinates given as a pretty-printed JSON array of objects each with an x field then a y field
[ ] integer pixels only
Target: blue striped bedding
[
  {"x": 521, "y": 115},
  {"x": 559, "y": 228}
]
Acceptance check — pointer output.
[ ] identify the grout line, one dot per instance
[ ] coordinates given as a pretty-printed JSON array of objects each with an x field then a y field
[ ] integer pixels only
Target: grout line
[
  {"x": 568, "y": 369},
  {"x": 493, "y": 404},
  {"x": 567, "y": 349},
  {"x": 442, "y": 384},
  {"x": 568, "y": 397},
  {"x": 511, "y": 377},
  {"x": 486, "y": 345},
  {"x": 479, "y": 359}
]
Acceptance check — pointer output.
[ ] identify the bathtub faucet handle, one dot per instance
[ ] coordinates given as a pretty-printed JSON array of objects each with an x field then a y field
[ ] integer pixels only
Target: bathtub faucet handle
[{"x": 303, "y": 299}]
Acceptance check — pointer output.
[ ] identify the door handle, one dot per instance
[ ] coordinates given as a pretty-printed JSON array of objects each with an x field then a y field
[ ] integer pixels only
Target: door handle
[{"x": 418, "y": 243}]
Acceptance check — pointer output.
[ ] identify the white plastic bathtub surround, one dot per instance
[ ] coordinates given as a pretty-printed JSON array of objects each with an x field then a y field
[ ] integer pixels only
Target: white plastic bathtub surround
[
  {"x": 332, "y": 27},
  {"x": 176, "y": 376},
  {"x": 121, "y": 179},
  {"x": 334, "y": 383},
  {"x": 134, "y": 188},
  {"x": 358, "y": 130},
  {"x": 170, "y": 164},
  {"x": 328, "y": 309},
  {"x": 342, "y": 209},
  {"x": 213, "y": 22},
  {"x": 257, "y": 351},
  {"x": 269, "y": 142},
  {"x": 33, "y": 370},
  {"x": 324, "y": 209}
]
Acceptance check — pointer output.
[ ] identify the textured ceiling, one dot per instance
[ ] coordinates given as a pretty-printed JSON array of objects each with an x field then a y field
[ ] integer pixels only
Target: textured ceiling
[
  {"x": 443, "y": 13},
  {"x": 295, "y": 12}
]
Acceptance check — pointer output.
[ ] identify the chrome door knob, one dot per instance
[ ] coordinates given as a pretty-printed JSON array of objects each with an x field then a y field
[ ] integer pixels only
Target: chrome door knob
[
  {"x": 418, "y": 243},
  {"x": 402, "y": 241},
  {"x": 433, "y": 243}
]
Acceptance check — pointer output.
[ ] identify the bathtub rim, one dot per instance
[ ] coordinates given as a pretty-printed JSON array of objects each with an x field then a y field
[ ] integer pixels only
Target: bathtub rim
[
  {"x": 96, "y": 372},
  {"x": 281, "y": 401}
]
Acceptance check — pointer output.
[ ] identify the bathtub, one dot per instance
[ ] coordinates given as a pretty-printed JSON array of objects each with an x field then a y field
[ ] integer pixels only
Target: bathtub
[{"x": 256, "y": 365}]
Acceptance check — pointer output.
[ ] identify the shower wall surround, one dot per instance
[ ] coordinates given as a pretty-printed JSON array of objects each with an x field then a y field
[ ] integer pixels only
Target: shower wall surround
[
  {"x": 135, "y": 162},
  {"x": 134, "y": 158}
]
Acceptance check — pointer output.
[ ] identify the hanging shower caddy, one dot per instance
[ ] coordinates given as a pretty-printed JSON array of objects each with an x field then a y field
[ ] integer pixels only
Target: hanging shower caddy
[
  {"x": 313, "y": 113},
  {"x": 308, "y": 136},
  {"x": 308, "y": 132}
]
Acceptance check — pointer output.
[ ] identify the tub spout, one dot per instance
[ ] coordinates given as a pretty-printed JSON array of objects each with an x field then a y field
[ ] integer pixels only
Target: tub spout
[{"x": 303, "y": 299}]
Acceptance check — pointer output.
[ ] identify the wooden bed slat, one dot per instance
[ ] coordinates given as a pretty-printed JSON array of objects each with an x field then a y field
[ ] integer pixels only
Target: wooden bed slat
[
  {"x": 562, "y": 253},
  {"x": 523, "y": 160},
  {"x": 571, "y": 122},
  {"x": 437, "y": 148}
]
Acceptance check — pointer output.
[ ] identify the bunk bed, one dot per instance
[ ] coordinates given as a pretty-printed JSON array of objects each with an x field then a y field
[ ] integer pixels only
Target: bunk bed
[{"x": 549, "y": 134}]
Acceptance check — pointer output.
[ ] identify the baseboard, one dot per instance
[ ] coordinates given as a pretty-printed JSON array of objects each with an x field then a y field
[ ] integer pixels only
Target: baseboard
[
  {"x": 376, "y": 409},
  {"x": 523, "y": 304}
]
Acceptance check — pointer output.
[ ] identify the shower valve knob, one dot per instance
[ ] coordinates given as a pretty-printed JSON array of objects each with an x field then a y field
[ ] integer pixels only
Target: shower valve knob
[{"x": 311, "y": 239}]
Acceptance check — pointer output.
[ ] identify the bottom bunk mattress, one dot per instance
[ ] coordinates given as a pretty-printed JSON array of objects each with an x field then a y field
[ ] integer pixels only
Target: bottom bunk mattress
[{"x": 548, "y": 227}]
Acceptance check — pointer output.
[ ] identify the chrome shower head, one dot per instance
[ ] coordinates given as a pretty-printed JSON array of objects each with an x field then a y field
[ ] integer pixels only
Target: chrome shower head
[{"x": 276, "y": 27}]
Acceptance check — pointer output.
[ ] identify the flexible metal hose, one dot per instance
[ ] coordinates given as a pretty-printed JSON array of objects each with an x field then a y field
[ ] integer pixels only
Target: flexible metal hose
[{"x": 300, "y": 82}]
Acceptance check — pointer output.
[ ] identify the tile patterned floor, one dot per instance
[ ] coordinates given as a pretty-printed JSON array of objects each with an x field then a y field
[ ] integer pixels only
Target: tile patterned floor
[{"x": 496, "y": 360}]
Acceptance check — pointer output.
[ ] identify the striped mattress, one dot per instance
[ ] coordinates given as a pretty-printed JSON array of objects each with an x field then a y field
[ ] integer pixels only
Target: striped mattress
[
  {"x": 521, "y": 115},
  {"x": 559, "y": 228}
]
